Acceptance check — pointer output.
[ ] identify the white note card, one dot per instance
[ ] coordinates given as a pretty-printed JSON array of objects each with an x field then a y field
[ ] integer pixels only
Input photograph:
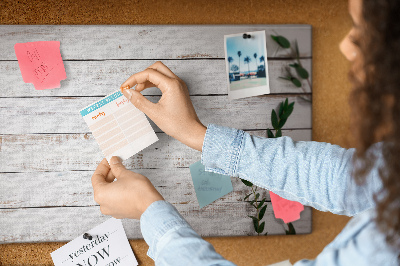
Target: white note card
[
  {"x": 108, "y": 247},
  {"x": 118, "y": 126}
]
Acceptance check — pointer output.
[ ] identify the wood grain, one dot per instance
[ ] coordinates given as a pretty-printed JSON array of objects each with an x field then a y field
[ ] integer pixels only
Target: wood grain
[
  {"x": 72, "y": 152},
  {"x": 147, "y": 42},
  {"x": 65, "y": 223},
  {"x": 61, "y": 114},
  {"x": 95, "y": 78}
]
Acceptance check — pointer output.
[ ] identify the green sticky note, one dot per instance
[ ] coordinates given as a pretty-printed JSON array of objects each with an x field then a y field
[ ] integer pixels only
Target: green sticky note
[{"x": 209, "y": 186}]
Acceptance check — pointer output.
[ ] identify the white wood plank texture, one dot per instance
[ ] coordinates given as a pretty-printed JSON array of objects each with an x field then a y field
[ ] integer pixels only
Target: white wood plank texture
[
  {"x": 147, "y": 41},
  {"x": 94, "y": 78},
  {"x": 47, "y": 154}
]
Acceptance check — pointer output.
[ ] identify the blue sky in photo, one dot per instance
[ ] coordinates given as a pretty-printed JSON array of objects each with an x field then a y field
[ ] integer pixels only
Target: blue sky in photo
[{"x": 248, "y": 47}]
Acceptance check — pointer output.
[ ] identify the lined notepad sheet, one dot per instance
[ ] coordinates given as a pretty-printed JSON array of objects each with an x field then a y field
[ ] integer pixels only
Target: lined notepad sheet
[{"x": 118, "y": 126}]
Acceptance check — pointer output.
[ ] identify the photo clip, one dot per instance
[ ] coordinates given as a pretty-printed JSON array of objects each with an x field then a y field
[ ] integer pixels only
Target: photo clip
[
  {"x": 246, "y": 36},
  {"x": 87, "y": 236}
]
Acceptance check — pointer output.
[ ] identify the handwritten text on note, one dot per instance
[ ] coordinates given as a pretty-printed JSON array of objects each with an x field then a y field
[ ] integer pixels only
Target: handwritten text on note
[{"x": 41, "y": 63}]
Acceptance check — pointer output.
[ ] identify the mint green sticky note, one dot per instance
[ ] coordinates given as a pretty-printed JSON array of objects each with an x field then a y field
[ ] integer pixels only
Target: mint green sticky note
[{"x": 209, "y": 186}]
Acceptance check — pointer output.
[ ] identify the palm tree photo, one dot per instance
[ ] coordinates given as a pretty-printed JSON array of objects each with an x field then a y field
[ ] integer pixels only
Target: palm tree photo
[
  {"x": 239, "y": 54},
  {"x": 247, "y": 60},
  {"x": 255, "y": 60}
]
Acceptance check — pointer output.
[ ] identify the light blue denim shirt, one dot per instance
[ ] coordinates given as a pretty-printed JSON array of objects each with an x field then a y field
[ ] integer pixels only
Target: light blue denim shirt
[{"x": 312, "y": 173}]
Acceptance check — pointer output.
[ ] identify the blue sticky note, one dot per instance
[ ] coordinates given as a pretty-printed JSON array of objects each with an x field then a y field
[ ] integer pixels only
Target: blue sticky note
[{"x": 209, "y": 186}]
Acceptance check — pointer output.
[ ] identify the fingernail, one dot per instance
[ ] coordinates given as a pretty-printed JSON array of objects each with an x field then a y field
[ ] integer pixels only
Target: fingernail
[
  {"x": 124, "y": 88},
  {"x": 115, "y": 160},
  {"x": 129, "y": 92}
]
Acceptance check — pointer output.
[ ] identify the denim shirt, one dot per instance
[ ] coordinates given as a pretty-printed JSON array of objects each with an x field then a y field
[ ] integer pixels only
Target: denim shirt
[{"x": 312, "y": 173}]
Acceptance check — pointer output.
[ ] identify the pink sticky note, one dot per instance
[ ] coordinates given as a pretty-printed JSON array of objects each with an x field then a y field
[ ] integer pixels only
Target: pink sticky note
[
  {"x": 41, "y": 63},
  {"x": 284, "y": 209}
]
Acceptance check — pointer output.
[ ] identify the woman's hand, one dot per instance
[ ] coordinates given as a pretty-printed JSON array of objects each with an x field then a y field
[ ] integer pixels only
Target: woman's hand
[
  {"x": 127, "y": 197},
  {"x": 174, "y": 112}
]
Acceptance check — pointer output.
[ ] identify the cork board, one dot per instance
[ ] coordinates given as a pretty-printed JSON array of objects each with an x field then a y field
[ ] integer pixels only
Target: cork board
[{"x": 330, "y": 22}]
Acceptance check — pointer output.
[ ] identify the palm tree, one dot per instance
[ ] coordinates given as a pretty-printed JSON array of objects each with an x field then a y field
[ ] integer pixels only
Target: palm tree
[
  {"x": 255, "y": 57},
  {"x": 230, "y": 60},
  {"x": 247, "y": 60},
  {"x": 262, "y": 60},
  {"x": 239, "y": 54}
]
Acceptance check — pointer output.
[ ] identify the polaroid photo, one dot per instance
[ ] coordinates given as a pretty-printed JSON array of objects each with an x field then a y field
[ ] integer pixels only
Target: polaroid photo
[{"x": 246, "y": 64}]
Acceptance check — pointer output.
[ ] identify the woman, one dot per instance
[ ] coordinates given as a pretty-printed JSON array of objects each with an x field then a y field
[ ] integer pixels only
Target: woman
[{"x": 316, "y": 174}]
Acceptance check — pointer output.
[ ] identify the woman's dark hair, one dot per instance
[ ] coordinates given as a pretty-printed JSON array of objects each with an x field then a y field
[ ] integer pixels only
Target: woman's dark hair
[{"x": 376, "y": 106}]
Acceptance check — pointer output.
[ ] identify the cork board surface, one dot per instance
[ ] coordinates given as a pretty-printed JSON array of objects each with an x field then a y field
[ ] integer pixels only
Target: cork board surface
[{"x": 331, "y": 113}]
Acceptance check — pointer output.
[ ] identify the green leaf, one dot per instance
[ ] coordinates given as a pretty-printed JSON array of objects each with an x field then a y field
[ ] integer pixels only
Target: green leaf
[
  {"x": 266, "y": 233},
  {"x": 260, "y": 204},
  {"x": 281, "y": 124},
  {"x": 295, "y": 65},
  {"x": 286, "y": 104},
  {"x": 252, "y": 202},
  {"x": 257, "y": 195},
  {"x": 270, "y": 134},
  {"x": 296, "y": 82},
  {"x": 274, "y": 119},
  {"x": 262, "y": 212},
  {"x": 279, "y": 133},
  {"x": 291, "y": 230},
  {"x": 247, "y": 196},
  {"x": 297, "y": 49},
  {"x": 291, "y": 105},
  {"x": 255, "y": 224},
  {"x": 288, "y": 112},
  {"x": 253, "y": 217},
  {"x": 280, "y": 109},
  {"x": 302, "y": 72},
  {"x": 286, "y": 78},
  {"x": 261, "y": 228},
  {"x": 247, "y": 183},
  {"x": 282, "y": 41}
]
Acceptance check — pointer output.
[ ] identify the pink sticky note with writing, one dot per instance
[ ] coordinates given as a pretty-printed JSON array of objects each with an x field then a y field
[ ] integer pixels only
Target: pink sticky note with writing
[
  {"x": 41, "y": 63},
  {"x": 284, "y": 209}
]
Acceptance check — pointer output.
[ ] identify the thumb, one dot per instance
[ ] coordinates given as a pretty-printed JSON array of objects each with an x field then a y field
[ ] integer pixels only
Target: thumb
[
  {"x": 139, "y": 101},
  {"x": 117, "y": 167}
]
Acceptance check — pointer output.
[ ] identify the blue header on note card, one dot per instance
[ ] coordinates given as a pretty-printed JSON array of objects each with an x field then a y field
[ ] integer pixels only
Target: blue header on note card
[{"x": 101, "y": 103}]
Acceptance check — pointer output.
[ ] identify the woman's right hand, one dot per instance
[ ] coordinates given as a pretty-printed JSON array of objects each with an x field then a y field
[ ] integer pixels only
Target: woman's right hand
[{"x": 174, "y": 112}]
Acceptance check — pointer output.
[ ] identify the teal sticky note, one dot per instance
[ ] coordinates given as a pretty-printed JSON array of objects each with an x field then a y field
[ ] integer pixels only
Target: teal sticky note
[{"x": 209, "y": 186}]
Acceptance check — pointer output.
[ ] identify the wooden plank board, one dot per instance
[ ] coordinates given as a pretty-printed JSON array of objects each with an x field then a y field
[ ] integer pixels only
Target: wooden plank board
[
  {"x": 73, "y": 152},
  {"x": 47, "y": 155},
  {"x": 65, "y": 223},
  {"x": 94, "y": 78},
  {"x": 146, "y": 42},
  {"x": 61, "y": 114}
]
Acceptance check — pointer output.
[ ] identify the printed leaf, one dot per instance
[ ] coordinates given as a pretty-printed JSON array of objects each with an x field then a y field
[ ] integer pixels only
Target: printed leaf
[
  {"x": 296, "y": 82},
  {"x": 282, "y": 41},
  {"x": 270, "y": 134},
  {"x": 255, "y": 224},
  {"x": 280, "y": 109},
  {"x": 274, "y": 119},
  {"x": 302, "y": 72},
  {"x": 279, "y": 133},
  {"x": 260, "y": 204},
  {"x": 262, "y": 212},
  {"x": 281, "y": 124},
  {"x": 291, "y": 230},
  {"x": 247, "y": 183},
  {"x": 261, "y": 228},
  {"x": 247, "y": 196}
]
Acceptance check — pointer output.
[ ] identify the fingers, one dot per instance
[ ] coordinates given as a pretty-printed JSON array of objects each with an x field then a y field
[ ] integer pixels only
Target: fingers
[
  {"x": 117, "y": 167},
  {"x": 140, "y": 102},
  {"x": 160, "y": 67},
  {"x": 100, "y": 174},
  {"x": 157, "y": 78}
]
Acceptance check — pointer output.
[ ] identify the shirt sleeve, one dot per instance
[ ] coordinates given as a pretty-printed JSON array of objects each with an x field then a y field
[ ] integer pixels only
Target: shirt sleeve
[
  {"x": 312, "y": 173},
  {"x": 172, "y": 241}
]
